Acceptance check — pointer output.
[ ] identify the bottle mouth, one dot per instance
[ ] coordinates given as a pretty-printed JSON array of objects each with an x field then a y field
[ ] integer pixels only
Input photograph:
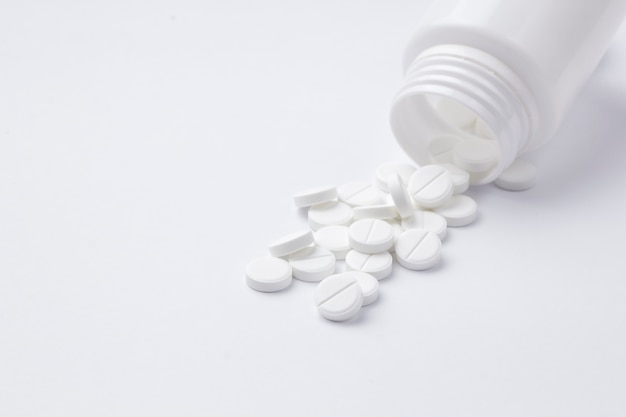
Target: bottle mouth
[{"x": 460, "y": 105}]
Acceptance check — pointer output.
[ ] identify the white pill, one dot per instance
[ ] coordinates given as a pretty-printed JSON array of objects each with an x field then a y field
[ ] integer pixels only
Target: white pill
[
  {"x": 379, "y": 211},
  {"x": 455, "y": 113},
  {"x": 460, "y": 178},
  {"x": 427, "y": 220},
  {"x": 291, "y": 243},
  {"x": 461, "y": 210},
  {"x": 520, "y": 176},
  {"x": 317, "y": 195},
  {"x": 371, "y": 236},
  {"x": 335, "y": 239},
  {"x": 379, "y": 264},
  {"x": 431, "y": 186},
  {"x": 400, "y": 196},
  {"x": 268, "y": 274},
  {"x": 312, "y": 264},
  {"x": 339, "y": 297},
  {"x": 397, "y": 231},
  {"x": 359, "y": 194},
  {"x": 331, "y": 213},
  {"x": 391, "y": 169},
  {"x": 418, "y": 249},
  {"x": 369, "y": 286},
  {"x": 475, "y": 155},
  {"x": 440, "y": 149}
]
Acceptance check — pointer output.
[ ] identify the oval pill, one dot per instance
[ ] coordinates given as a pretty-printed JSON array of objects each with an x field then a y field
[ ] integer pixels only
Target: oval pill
[
  {"x": 312, "y": 264},
  {"x": 291, "y": 243},
  {"x": 378, "y": 265},
  {"x": 418, "y": 249},
  {"x": 313, "y": 196},
  {"x": 519, "y": 176},
  {"x": 359, "y": 194},
  {"x": 268, "y": 274},
  {"x": 339, "y": 297},
  {"x": 461, "y": 210},
  {"x": 431, "y": 186},
  {"x": 371, "y": 236},
  {"x": 335, "y": 239},
  {"x": 331, "y": 213}
]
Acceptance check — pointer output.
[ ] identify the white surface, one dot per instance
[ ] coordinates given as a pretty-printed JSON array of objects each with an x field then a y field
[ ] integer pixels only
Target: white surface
[{"x": 124, "y": 126}]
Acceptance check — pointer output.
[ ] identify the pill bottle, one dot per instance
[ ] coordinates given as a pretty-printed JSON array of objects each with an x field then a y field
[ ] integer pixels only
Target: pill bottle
[{"x": 506, "y": 71}]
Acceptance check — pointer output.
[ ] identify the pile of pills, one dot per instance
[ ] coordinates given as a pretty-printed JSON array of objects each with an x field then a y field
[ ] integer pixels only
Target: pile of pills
[{"x": 403, "y": 215}]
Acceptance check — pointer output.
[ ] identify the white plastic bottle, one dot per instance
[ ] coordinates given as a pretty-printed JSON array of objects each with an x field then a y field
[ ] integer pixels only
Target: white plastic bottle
[{"x": 505, "y": 70}]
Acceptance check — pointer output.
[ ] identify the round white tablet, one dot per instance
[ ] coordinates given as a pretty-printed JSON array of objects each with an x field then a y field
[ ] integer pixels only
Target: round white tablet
[
  {"x": 397, "y": 231},
  {"x": 418, "y": 249},
  {"x": 431, "y": 186},
  {"x": 312, "y": 264},
  {"x": 400, "y": 196},
  {"x": 335, "y": 239},
  {"x": 391, "y": 169},
  {"x": 371, "y": 236},
  {"x": 331, "y": 213},
  {"x": 268, "y": 274},
  {"x": 475, "y": 155},
  {"x": 428, "y": 220},
  {"x": 313, "y": 196},
  {"x": 461, "y": 210},
  {"x": 379, "y": 264},
  {"x": 369, "y": 286},
  {"x": 519, "y": 176},
  {"x": 440, "y": 148},
  {"x": 291, "y": 243},
  {"x": 379, "y": 211},
  {"x": 460, "y": 178},
  {"x": 339, "y": 297},
  {"x": 359, "y": 194}
]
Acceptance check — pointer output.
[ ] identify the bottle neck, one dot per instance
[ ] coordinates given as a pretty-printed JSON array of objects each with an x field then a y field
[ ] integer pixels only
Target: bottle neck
[{"x": 481, "y": 88}]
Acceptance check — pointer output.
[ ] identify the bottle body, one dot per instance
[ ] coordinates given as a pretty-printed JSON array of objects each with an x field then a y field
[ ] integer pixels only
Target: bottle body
[{"x": 515, "y": 65}]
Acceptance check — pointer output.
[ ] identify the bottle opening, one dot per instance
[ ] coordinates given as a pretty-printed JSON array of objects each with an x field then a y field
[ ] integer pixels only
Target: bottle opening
[{"x": 459, "y": 105}]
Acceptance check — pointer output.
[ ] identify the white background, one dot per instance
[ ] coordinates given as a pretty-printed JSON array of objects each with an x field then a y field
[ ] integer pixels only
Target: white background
[{"x": 149, "y": 150}]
